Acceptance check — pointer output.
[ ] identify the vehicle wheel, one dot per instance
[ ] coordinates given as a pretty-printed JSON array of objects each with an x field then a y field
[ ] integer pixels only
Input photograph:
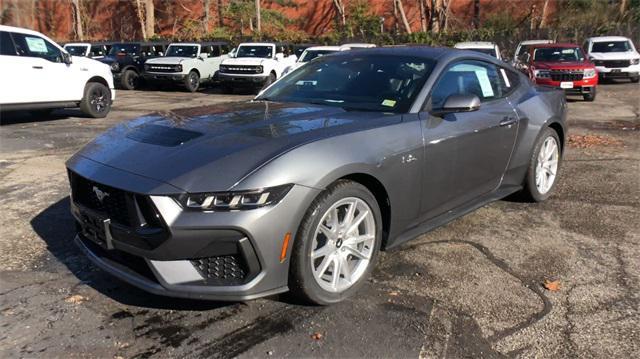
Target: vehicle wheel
[
  {"x": 192, "y": 81},
  {"x": 543, "y": 167},
  {"x": 337, "y": 244},
  {"x": 635, "y": 79},
  {"x": 96, "y": 101},
  {"x": 129, "y": 80},
  {"x": 271, "y": 79},
  {"x": 590, "y": 96}
]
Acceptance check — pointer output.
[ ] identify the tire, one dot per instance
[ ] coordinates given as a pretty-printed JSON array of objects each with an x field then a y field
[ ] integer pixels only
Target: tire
[
  {"x": 532, "y": 190},
  {"x": 271, "y": 79},
  {"x": 635, "y": 80},
  {"x": 192, "y": 81},
  {"x": 96, "y": 101},
  {"x": 590, "y": 97},
  {"x": 316, "y": 289},
  {"x": 129, "y": 80}
]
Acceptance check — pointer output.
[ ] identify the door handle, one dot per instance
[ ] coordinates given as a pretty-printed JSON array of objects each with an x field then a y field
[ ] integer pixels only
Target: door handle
[
  {"x": 508, "y": 121},
  {"x": 37, "y": 67}
]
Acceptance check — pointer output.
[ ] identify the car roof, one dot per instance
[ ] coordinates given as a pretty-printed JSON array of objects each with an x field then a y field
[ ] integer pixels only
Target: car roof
[
  {"x": 19, "y": 30},
  {"x": 475, "y": 45},
  {"x": 330, "y": 48},
  {"x": 257, "y": 44},
  {"x": 565, "y": 44},
  {"x": 77, "y": 44},
  {"x": 608, "y": 38},
  {"x": 417, "y": 51},
  {"x": 535, "y": 42}
]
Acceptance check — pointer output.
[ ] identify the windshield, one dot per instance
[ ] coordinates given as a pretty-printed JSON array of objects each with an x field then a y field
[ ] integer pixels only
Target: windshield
[
  {"x": 491, "y": 52},
  {"x": 76, "y": 50},
  {"x": 124, "y": 48},
  {"x": 384, "y": 83},
  {"x": 312, "y": 54},
  {"x": 558, "y": 54},
  {"x": 255, "y": 51},
  {"x": 182, "y": 51},
  {"x": 611, "y": 46}
]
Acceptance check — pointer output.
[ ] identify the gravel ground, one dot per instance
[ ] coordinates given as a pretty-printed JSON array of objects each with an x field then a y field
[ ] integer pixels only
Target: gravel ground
[{"x": 472, "y": 288}]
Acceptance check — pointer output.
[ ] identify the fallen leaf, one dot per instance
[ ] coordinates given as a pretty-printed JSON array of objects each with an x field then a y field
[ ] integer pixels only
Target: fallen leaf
[
  {"x": 316, "y": 336},
  {"x": 588, "y": 141},
  {"x": 552, "y": 286},
  {"x": 394, "y": 293},
  {"x": 76, "y": 299}
]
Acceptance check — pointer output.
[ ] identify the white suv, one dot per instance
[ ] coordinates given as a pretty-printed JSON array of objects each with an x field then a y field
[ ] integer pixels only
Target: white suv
[
  {"x": 255, "y": 64},
  {"x": 37, "y": 74},
  {"x": 189, "y": 64},
  {"x": 614, "y": 57}
]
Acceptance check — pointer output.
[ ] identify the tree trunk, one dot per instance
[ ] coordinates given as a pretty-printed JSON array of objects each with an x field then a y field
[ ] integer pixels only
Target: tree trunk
[
  {"x": 423, "y": 15},
  {"x": 544, "y": 20},
  {"x": 476, "y": 14},
  {"x": 623, "y": 8},
  {"x": 207, "y": 11},
  {"x": 433, "y": 19},
  {"x": 220, "y": 14},
  {"x": 77, "y": 19},
  {"x": 258, "y": 17},
  {"x": 403, "y": 17},
  {"x": 340, "y": 10},
  {"x": 150, "y": 18},
  {"x": 140, "y": 13}
]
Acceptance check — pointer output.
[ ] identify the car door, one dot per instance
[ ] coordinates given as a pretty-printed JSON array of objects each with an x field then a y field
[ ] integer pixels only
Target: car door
[
  {"x": 14, "y": 88},
  {"x": 49, "y": 78},
  {"x": 466, "y": 153}
]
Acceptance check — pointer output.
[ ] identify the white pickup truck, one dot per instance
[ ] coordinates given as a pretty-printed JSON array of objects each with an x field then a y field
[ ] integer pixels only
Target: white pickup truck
[
  {"x": 615, "y": 57},
  {"x": 255, "y": 65},
  {"x": 190, "y": 64}
]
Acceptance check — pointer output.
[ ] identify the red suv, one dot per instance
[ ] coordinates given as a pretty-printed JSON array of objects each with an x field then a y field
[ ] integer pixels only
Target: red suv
[{"x": 564, "y": 66}]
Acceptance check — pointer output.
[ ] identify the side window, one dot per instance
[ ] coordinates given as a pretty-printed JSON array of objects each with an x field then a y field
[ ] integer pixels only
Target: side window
[
  {"x": 6, "y": 44},
  {"x": 224, "y": 49},
  {"x": 214, "y": 51},
  {"x": 35, "y": 46},
  {"x": 508, "y": 81},
  {"x": 145, "y": 51},
  {"x": 467, "y": 77}
]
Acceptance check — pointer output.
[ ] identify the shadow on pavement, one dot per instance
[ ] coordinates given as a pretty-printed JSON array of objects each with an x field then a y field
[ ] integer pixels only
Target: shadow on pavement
[
  {"x": 55, "y": 225},
  {"x": 18, "y": 117}
]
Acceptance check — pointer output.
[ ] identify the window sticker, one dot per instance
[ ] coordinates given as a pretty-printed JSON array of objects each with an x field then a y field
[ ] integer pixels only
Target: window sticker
[
  {"x": 36, "y": 44},
  {"x": 567, "y": 51},
  {"x": 481, "y": 75},
  {"x": 505, "y": 77},
  {"x": 388, "y": 103}
]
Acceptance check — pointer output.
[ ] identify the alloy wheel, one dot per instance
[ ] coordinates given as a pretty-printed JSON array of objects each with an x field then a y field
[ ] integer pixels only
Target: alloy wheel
[
  {"x": 98, "y": 100},
  {"x": 547, "y": 166},
  {"x": 343, "y": 244}
]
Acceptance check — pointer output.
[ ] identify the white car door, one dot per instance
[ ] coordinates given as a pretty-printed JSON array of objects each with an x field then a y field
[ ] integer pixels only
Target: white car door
[
  {"x": 50, "y": 78},
  {"x": 15, "y": 88}
]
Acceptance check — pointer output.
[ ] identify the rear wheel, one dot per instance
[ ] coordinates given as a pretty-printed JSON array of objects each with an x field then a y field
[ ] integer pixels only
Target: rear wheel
[
  {"x": 96, "y": 101},
  {"x": 591, "y": 96},
  {"x": 192, "y": 81},
  {"x": 129, "y": 80},
  {"x": 337, "y": 244},
  {"x": 543, "y": 167}
]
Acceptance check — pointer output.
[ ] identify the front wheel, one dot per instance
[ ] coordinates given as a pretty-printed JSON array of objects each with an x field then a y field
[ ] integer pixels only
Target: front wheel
[
  {"x": 129, "y": 80},
  {"x": 96, "y": 102},
  {"x": 271, "y": 79},
  {"x": 192, "y": 81},
  {"x": 591, "y": 96},
  {"x": 337, "y": 244},
  {"x": 543, "y": 166},
  {"x": 635, "y": 79}
]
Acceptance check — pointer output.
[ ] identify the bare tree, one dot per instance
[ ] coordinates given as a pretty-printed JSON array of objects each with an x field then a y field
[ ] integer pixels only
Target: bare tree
[
  {"x": 403, "y": 16},
  {"x": 258, "y": 17},
  {"x": 623, "y": 7},
  {"x": 141, "y": 19},
  {"x": 207, "y": 9},
  {"x": 423, "y": 15},
  {"x": 339, "y": 5},
  {"x": 476, "y": 14},
  {"x": 220, "y": 14},
  {"x": 146, "y": 17},
  {"x": 439, "y": 15},
  {"x": 77, "y": 19},
  {"x": 544, "y": 19}
]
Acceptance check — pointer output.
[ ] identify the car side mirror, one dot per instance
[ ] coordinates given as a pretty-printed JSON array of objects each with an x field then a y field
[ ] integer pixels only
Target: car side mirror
[
  {"x": 203, "y": 56},
  {"x": 279, "y": 56},
  {"x": 66, "y": 58},
  {"x": 458, "y": 103}
]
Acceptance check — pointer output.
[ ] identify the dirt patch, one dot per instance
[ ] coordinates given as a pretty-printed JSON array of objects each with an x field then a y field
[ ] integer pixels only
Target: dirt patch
[{"x": 588, "y": 141}]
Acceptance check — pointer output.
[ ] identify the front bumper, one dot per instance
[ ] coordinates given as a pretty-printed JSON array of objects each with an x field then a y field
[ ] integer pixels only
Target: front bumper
[
  {"x": 166, "y": 77},
  {"x": 216, "y": 255},
  {"x": 578, "y": 87},
  {"x": 248, "y": 80}
]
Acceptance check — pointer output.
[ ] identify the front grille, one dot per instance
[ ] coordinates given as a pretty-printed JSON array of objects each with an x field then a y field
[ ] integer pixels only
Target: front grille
[
  {"x": 162, "y": 68},
  {"x": 241, "y": 69},
  {"x": 616, "y": 63},
  {"x": 567, "y": 75},
  {"x": 115, "y": 203},
  {"x": 226, "y": 269}
]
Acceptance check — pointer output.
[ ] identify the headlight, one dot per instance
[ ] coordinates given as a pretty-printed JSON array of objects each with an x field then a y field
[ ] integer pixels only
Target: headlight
[
  {"x": 542, "y": 74},
  {"x": 177, "y": 68},
  {"x": 227, "y": 201},
  {"x": 115, "y": 66},
  {"x": 635, "y": 61},
  {"x": 223, "y": 68},
  {"x": 146, "y": 67},
  {"x": 259, "y": 69},
  {"x": 589, "y": 73},
  {"x": 598, "y": 62}
]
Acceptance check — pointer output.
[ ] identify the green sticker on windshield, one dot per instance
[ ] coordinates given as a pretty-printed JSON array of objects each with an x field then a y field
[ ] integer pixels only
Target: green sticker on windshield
[{"x": 389, "y": 103}]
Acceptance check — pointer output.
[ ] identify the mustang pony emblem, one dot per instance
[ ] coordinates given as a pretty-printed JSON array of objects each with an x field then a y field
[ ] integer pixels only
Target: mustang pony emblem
[{"x": 100, "y": 193}]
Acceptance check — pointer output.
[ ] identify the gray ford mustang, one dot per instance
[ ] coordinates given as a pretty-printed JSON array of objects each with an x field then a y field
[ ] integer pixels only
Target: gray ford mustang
[{"x": 300, "y": 188}]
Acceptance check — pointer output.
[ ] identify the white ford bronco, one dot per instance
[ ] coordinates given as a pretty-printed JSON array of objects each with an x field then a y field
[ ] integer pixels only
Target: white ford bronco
[
  {"x": 190, "y": 64},
  {"x": 255, "y": 65},
  {"x": 39, "y": 75}
]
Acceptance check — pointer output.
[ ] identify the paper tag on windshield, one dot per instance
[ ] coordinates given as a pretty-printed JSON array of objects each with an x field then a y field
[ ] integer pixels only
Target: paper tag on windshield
[
  {"x": 36, "y": 44},
  {"x": 389, "y": 103}
]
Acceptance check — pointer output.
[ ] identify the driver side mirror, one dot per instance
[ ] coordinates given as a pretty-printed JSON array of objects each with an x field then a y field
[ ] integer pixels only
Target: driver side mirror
[
  {"x": 458, "y": 103},
  {"x": 203, "y": 56},
  {"x": 66, "y": 58},
  {"x": 279, "y": 56}
]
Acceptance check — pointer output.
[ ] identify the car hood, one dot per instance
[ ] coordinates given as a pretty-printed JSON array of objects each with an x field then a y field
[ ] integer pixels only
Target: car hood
[
  {"x": 627, "y": 55},
  {"x": 244, "y": 61},
  {"x": 212, "y": 148},
  {"x": 569, "y": 65},
  {"x": 169, "y": 60}
]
